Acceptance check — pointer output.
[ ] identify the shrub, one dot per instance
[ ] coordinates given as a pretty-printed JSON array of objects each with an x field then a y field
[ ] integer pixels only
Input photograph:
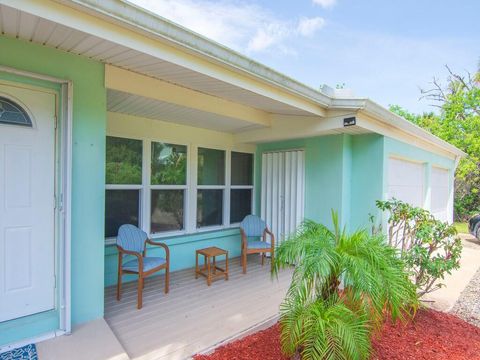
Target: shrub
[
  {"x": 342, "y": 287},
  {"x": 428, "y": 246}
]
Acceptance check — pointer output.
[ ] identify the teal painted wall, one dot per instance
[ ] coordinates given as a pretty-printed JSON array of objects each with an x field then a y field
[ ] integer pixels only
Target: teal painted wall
[
  {"x": 367, "y": 178},
  {"x": 327, "y": 174},
  {"x": 89, "y": 124}
]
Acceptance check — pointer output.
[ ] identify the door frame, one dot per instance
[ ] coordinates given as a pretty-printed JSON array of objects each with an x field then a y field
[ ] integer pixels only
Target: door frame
[{"x": 63, "y": 209}]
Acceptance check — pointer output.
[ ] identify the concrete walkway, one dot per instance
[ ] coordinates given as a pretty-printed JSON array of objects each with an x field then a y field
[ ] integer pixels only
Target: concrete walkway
[
  {"x": 445, "y": 298},
  {"x": 93, "y": 341}
]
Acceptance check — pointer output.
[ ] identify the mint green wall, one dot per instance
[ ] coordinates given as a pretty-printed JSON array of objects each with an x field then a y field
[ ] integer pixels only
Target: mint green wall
[
  {"x": 89, "y": 124},
  {"x": 182, "y": 251},
  {"x": 367, "y": 178},
  {"x": 327, "y": 174}
]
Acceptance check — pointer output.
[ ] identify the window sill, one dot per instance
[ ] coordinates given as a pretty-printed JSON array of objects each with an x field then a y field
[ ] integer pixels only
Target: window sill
[{"x": 185, "y": 238}]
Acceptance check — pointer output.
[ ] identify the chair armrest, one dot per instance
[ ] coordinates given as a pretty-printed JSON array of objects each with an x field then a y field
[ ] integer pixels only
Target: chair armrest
[
  {"x": 123, "y": 251},
  {"x": 272, "y": 237},
  {"x": 164, "y": 246}
]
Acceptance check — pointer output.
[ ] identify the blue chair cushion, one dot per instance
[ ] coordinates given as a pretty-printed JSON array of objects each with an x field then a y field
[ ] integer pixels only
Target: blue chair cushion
[
  {"x": 148, "y": 264},
  {"x": 258, "y": 245}
]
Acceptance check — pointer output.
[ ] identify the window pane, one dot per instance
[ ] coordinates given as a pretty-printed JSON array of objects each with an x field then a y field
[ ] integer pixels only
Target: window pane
[
  {"x": 13, "y": 114},
  {"x": 209, "y": 207},
  {"x": 124, "y": 161},
  {"x": 121, "y": 207},
  {"x": 240, "y": 204},
  {"x": 211, "y": 167},
  {"x": 242, "y": 168},
  {"x": 169, "y": 164},
  {"x": 167, "y": 210}
]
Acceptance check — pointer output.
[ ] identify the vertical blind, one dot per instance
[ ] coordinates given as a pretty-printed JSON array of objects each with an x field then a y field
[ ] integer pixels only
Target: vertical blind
[{"x": 283, "y": 189}]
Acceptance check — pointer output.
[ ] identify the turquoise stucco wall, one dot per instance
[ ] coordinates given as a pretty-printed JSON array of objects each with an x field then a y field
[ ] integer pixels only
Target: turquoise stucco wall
[
  {"x": 367, "y": 178},
  {"x": 89, "y": 129},
  {"x": 327, "y": 174}
]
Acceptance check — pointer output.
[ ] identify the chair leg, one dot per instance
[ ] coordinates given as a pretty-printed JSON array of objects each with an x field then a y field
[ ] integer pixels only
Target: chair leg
[
  {"x": 167, "y": 279},
  {"x": 119, "y": 286},
  {"x": 140, "y": 293},
  {"x": 244, "y": 262},
  {"x": 263, "y": 258},
  {"x": 272, "y": 253}
]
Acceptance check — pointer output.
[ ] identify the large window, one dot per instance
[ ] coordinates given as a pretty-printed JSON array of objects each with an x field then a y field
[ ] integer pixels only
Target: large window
[
  {"x": 241, "y": 189},
  {"x": 124, "y": 183},
  {"x": 155, "y": 186},
  {"x": 210, "y": 187},
  {"x": 168, "y": 187}
]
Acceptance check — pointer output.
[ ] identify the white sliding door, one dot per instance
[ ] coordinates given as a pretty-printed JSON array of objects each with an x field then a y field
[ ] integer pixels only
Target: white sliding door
[{"x": 283, "y": 191}]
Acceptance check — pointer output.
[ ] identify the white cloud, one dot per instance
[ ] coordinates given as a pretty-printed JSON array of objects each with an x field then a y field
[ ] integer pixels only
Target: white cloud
[
  {"x": 243, "y": 26},
  {"x": 309, "y": 26},
  {"x": 325, "y": 3}
]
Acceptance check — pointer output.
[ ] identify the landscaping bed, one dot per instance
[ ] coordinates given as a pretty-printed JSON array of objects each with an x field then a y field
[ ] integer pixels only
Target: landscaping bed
[{"x": 432, "y": 335}]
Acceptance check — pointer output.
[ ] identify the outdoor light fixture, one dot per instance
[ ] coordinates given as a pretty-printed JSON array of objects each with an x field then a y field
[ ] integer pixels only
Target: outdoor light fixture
[{"x": 350, "y": 121}]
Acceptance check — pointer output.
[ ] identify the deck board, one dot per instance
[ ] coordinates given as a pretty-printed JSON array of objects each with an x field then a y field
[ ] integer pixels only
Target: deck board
[{"x": 193, "y": 316}]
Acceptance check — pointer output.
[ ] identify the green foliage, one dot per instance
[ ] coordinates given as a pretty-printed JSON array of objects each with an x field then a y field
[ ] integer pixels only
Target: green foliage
[
  {"x": 428, "y": 246},
  {"x": 123, "y": 161},
  {"x": 458, "y": 123},
  {"x": 171, "y": 170},
  {"x": 342, "y": 287}
]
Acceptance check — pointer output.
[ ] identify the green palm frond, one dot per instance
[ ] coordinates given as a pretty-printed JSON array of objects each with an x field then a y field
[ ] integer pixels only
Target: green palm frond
[{"x": 342, "y": 287}]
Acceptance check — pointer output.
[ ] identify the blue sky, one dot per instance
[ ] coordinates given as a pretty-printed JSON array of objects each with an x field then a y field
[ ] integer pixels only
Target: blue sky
[{"x": 383, "y": 50}]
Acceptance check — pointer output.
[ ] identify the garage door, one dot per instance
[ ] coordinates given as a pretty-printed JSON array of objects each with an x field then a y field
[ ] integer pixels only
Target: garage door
[
  {"x": 406, "y": 181},
  {"x": 440, "y": 193}
]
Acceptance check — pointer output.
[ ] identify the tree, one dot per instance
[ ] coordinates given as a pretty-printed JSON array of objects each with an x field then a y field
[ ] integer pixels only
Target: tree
[
  {"x": 429, "y": 247},
  {"x": 342, "y": 287},
  {"x": 458, "y": 122}
]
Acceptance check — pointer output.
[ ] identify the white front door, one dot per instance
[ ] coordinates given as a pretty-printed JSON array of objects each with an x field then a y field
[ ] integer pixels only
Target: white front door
[
  {"x": 283, "y": 188},
  {"x": 27, "y": 189}
]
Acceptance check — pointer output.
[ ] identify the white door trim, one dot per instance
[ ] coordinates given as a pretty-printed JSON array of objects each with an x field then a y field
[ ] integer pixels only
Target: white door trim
[{"x": 64, "y": 174}]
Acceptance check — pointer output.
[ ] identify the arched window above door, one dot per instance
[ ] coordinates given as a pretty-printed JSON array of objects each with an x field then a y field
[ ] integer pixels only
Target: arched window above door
[{"x": 13, "y": 114}]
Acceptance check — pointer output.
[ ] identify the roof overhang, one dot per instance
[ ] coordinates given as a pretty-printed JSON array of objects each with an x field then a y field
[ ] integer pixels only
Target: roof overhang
[{"x": 128, "y": 37}]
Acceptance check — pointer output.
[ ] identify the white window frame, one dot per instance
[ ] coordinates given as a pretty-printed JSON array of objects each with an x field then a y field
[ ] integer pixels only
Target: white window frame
[
  {"x": 190, "y": 189},
  {"x": 149, "y": 187},
  {"x": 139, "y": 187},
  {"x": 224, "y": 187},
  {"x": 241, "y": 187}
]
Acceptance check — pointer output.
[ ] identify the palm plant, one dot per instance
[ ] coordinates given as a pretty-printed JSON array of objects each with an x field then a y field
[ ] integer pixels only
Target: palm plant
[{"x": 343, "y": 286}]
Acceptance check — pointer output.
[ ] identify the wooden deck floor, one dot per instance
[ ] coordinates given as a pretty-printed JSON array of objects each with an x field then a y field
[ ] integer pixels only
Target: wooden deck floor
[{"x": 193, "y": 316}]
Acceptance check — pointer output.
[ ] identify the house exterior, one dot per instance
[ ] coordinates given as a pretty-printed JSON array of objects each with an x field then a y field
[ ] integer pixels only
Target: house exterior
[{"x": 110, "y": 114}]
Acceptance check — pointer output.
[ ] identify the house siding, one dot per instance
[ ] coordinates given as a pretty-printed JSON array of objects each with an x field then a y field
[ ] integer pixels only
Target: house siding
[
  {"x": 88, "y": 174},
  {"x": 399, "y": 149},
  {"x": 327, "y": 165}
]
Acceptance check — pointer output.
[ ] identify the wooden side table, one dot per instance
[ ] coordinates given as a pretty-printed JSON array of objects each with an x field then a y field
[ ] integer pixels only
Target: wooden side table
[{"x": 212, "y": 270}]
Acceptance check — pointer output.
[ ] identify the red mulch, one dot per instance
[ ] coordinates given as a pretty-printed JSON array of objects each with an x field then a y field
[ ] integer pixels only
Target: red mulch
[{"x": 432, "y": 335}]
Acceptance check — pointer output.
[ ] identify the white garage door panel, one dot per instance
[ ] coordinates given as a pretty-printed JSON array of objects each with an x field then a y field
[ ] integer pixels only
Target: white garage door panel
[
  {"x": 406, "y": 181},
  {"x": 440, "y": 193}
]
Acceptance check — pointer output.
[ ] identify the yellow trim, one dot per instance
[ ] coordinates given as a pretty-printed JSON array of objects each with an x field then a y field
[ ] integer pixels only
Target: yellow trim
[{"x": 133, "y": 83}]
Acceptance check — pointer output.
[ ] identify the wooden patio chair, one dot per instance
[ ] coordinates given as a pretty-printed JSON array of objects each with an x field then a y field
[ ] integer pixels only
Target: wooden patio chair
[
  {"x": 256, "y": 229},
  {"x": 132, "y": 241}
]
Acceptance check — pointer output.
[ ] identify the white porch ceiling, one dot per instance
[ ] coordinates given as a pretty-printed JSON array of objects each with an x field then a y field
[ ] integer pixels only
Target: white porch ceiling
[
  {"x": 25, "y": 26},
  {"x": 125, "y": 103}
]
